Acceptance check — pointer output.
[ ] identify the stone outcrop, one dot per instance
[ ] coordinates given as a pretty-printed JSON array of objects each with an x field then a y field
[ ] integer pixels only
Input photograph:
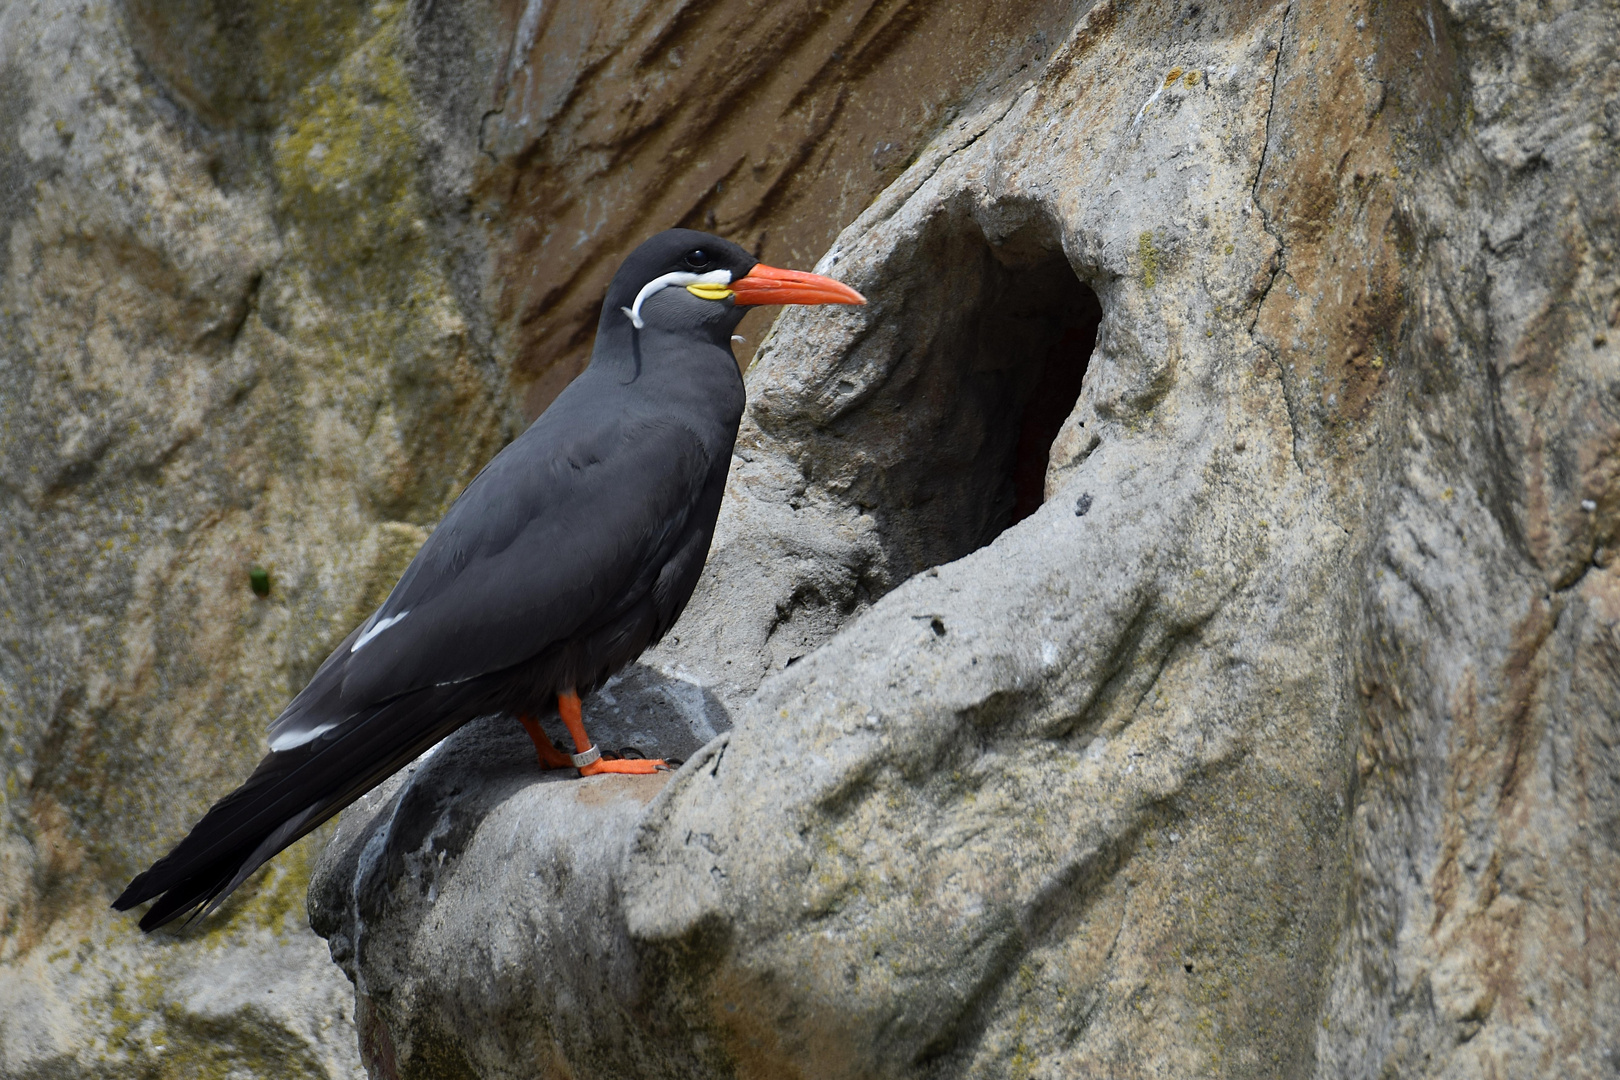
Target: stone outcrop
[
  {"x": 1252, "y": 713},
  {"x": 1271, "y": 733},
  {"x": 275, "y": 280}
]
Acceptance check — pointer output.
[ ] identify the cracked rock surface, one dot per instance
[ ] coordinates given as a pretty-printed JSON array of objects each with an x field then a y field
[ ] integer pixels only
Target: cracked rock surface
[{"x": 1272, "y": 730}]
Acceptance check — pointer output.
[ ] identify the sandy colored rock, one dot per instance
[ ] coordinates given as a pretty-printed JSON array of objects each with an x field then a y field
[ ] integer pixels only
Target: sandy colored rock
[{"x": 1278, "y": 741}]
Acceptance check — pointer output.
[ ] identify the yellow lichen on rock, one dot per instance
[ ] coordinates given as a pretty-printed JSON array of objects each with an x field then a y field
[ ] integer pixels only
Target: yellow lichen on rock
[{"x": 1148, "y": 257}]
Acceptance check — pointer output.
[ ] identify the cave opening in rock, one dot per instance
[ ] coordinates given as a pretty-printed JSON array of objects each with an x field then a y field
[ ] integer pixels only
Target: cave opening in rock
[
  {"x": 1075, "y": 315},
  {"x": 1021, "y": 365},
  {"x": 994, "y": 340}
]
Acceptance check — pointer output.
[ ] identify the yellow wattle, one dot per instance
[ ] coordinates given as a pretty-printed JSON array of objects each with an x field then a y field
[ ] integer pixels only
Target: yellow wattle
[{"x": 708, "y": 290}]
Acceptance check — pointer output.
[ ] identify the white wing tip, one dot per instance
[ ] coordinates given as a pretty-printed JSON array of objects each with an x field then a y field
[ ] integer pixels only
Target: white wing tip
[
  {"x": 376, "y": 628},
  {"x": 289, "y": 740}
]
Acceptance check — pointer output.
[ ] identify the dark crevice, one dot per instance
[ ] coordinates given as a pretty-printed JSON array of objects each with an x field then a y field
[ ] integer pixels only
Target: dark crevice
[
  {"x": 1011, "y": 378},
  {"x": 1034, "y": 342},
  {"x": 1056, "y": 390},
  {"x": 994, "y": 344},
  {"x": 936, "y": 423}
]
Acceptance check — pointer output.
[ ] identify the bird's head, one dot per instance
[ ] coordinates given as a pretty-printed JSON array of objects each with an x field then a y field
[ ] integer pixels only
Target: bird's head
[{"x": 687, "y": 281}]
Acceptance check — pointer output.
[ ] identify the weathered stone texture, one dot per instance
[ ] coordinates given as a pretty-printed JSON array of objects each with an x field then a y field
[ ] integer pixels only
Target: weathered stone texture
[{"x": 1280, "y": 741}]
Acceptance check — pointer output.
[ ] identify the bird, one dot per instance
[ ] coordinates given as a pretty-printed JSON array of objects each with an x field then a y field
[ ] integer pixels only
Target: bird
[{"x": 572, "y": 551}]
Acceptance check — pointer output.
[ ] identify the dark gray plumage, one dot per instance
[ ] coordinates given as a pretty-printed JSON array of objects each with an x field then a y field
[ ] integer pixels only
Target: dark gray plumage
[{"x": 572, "y": 551}]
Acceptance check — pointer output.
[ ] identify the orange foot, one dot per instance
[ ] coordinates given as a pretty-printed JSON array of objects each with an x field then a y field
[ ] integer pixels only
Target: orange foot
[
  {"x": 550, "y": 757},
  {"x": 631, "y": 766},
  {"x": 568, "y": 707}
]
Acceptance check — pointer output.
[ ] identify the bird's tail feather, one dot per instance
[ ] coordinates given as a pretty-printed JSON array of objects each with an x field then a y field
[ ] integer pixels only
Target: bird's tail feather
[{"x": 291, "y": 793}]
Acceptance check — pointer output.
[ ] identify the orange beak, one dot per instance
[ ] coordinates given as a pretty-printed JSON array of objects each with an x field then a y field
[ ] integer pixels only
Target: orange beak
[{"x": 768, "y": 285}]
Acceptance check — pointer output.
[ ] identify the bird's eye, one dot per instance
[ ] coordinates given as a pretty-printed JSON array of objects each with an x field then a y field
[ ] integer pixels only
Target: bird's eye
[{"x": 697, "y": 259}]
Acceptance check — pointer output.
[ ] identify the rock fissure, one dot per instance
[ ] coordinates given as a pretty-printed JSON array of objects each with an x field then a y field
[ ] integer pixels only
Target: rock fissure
[{"x": 1277, "y": 268}]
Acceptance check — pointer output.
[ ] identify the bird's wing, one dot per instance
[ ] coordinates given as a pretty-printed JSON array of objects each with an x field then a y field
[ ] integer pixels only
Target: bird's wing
[{"x": 551, "y": 538}]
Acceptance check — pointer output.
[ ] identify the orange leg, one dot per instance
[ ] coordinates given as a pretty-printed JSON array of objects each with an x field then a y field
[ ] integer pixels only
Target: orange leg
[
  {"x": 568, "y": 706},
  {"x": 550, "y": 757}
]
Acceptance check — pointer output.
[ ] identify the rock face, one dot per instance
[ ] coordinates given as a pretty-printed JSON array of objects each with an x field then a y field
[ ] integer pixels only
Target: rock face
[
  {"x": 1281, "y": 738},
  {"x": 1253, "y": 713},
  {"x": 275, "y": 280}
]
